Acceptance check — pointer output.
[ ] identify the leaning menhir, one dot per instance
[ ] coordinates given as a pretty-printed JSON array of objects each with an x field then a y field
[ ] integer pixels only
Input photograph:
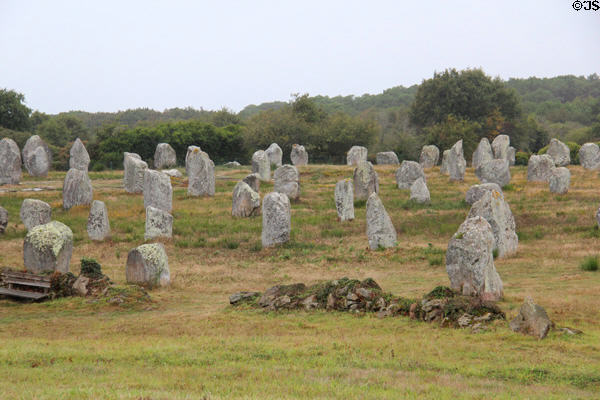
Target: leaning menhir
[
  {"x": 10, "y": 162},
  {"x": 253, "y": 180},
  {"x": 356, "y": 155},
  {"x": 158, "y": 192},
  {"x": 287, "y": 180},
  {"x": 408, "y": 173},
  {"x": 48, "y": 247},
  {"x": 77, "y": 189},
  {"x": 366, "y": 181},
  {"x": 148, "y": 265},
  {"x": 276, "y": 219},
  {"x": 380, "y": 230},
  {"x": 344, "y": 200},
  {"x": 245, "y": 201}
]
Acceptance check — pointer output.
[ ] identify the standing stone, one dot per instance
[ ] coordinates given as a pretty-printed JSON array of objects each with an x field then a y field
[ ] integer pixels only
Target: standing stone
[
  {"x": 560, "y": 180},
  {"x": 77, "y": 189},
  {"x": 133, "y": 172},
  {"x": 10, "y": 162},
  {"x": 276, "y": 220},
  {"x": 261, "y": 165},
  {"x": 201, "y": 173},
  {"x": 470, "y": 261},
  {"x": 299, "y": 156},
  {"x": 492, "y": 207},
  {"x": 253, "y": 180},
  {"x": 494, "y": 171},
  {"x": 366, "y": 181},
  {"x": 232, "y": 164},
  {"x": 408, "y": 173},
  {"x": 430, "y": 155},
  {"x": 356, "y": 155},
  {"x": 419, "y": 191},
  {"x": 456, "y": 162},
  {"x": 380, "y": 230},
  {"x": 444, "y": 167},
  {"x": 245, "y": 201},
  {"x": 512, "y": 156},
  {"x": 598, "y": 217},
  {"x": 560, "y": 153},
  {"x": 36, "y": 165},
  {"x": 148, "y": 265},
  {"x": 483, "y": 153},
  {"x": 79, "y": 157},
  {"x": 35, "y": 212},
  {"x": 531, "y": 320},
  {"x": 387, "y": 158},
  {"x": 287, "y": 180},
  {"x": 344, "y": 200},
  {"x": 98, "y": 226},
  {"x": 3, "y": 220},
  {"x": 500, "y": 146},
  {"x": 164, "y": 156},
  {"x": 275, "y": 155},
  {"x": 589, "y": 156},
  {"x": 48, "y": 247},
  {"x": 159, "y": 224},
  {"x": 475, "y": 192},
  {"x": 539, "y": 168},
  {"x": 158, "y": 192}
]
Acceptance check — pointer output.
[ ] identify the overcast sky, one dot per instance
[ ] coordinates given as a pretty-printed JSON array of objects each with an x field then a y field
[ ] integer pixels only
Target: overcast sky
[{"x": 114, "y": 55}]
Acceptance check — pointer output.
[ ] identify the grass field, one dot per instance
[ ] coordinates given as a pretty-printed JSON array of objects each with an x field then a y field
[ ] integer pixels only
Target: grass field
[{"x": 190, "y": 344}]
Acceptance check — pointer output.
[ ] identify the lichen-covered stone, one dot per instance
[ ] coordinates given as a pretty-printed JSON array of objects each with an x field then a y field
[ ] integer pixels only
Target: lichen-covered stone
[
  {"x": 201, "y": 173},
  {"x": 77, "y": 189},
  {"x": 366, "y": 181},
  {"x": 158, "y": 192},
  {"x": 159, "y": 224},
  {"x": 494, "y": 171},
  {"x": 387, "y": 158},
  {"x": 276, "y": 219},
  {"x": 470, "y": 261},
  {"x": 98, "y": 226},
  {"x": 444, "y": 166},
  {"x": 531, "y": 320},
  {"x": 35, "y": 162},
  {"x": 539, "y": 168},
  {"x": 559, "y": 152},
  {"x": 10, "y": 162},
  {"x": 148, "y": 265},
  {"x": 344, "y": 200},
  {"x": 287, "y": 180},
  {"x": 48, "y": 247},
  {"x": 79, "y": 157},
  {"x": 261, "y": 165},
  {"x": 408, "y": 173},
  {"x": 456, "y": 162},
  {"x": 299, "y": 156},
  {"x": 429, "y": 157},
  {"x": 35, "y": 212},
  {"x": 245, "y": 201},
  {"x": 3, "y": 220},
  {"x": 589, "y": 156},
  {"x": 173, "y": 172},
  {"x": 356, "y": 155},
  {"x": 253, "y": 180},
  {"x": 275, "y": 155},
  {"x": 476, "y": 191},
  {"x": 483, "y": 153},
  {"x": 380, "y": 230},
  {"x": 133, "y": 172},
  {"x": 419, "y": 191},
  {"x": 164, "y": 156},
  {"x": 500, "y": 146},
  {"x": 560, "y": 180}
]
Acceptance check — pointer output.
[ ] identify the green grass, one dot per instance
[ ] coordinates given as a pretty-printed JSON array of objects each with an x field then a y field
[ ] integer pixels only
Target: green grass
[{"x": 590, "y": 263}]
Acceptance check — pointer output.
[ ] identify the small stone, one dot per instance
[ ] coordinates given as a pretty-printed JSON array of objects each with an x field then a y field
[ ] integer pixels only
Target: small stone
[
  {"x": 81, "y": 285},
  {"x": 36, "y": 162},
  {"x": 77, "y": 189},
  {"x": 589, "y": 156},
  {"x": 408, "y": 173},
  {"x": 539, "y": 168},
  {"x": 98, "y": 226},
  {"x": 559, "y": 152},
  {"x": 48, "y": 247},
  {"x": 380, "y": 230},
  {"x": 356, "y": 155},
  {"x": 275, "y": 155},
  {"x": 158, "y": 192},
  {"x": 164, "y": 156},
  {"x": 531, "y": 320},
  {"x": 430, "y": 155},
  {"x": 10, "y": 162},
  {"x": 277, "y": 219},
  {"x": 475, "y": 192},
  {"x": 79, "y": 157},
  {"x": 344, "y": 200},
  {"x": 201, "y": 172},
  {"x": 494, "y": 171},
  {"x": 148, "y": 265},
  {"x": 500, "y": 146},
  {"x": 3, "y": 220},
  {"x": 159, "y": 224},
  {"x": 387, "y": 158},
  {"x": 241, "y": 297},
  {"x": 287, "y": 180},
  {"x": 560, "y": 180},
  {"x": 133, "y": 172},
  {"x": 232, "y": 164},
  {"x": 365, "y": 180},
  {"x": 456, "y": 162},
  {"x": 482, "y": 154},
  {"x": 253, "y": 180},
  {"x": 35, "y": 212},
  {"x": 299, "y": 156},
  {"x": 245, "y": 201},
  {"x": 261, "y": 165},
  {"x": 419, "y": 192}
]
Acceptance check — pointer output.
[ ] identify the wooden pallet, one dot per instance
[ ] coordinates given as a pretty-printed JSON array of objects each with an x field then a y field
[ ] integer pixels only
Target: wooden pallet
[{"x": 24, "y": 285}]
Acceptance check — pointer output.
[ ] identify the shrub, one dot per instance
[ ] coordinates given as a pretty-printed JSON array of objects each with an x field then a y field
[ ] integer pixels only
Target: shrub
[
  {"x": 590, "y": 263},
  {"x": 522, "y": 158}
]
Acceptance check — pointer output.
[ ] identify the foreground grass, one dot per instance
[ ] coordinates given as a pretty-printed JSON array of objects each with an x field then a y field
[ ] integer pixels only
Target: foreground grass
[{"x": 190, "y": 344}]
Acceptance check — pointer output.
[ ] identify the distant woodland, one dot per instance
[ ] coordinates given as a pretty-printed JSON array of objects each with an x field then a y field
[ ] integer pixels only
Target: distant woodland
[{"x": 451, "y": 105}]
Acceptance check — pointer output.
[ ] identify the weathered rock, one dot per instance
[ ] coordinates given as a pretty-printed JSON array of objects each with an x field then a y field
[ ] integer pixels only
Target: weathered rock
[
  {"x": 77, "y": 189},
  {"x": 48, "y": 247},
  {"x": 245, "y": 201},
  {"x": 275, "y": 155},
  {"x": 158, "y": 192},
  {"x": 261, "y": 165},
  {"x": 430, "y": 155},
  {"x": 38, "y": 164},
  {"x": 344, "y": 200},
  {"x": 419, "y": 191},
  {"x": 133, "y": 172},
  {"x": 560, "y": 180},
  {"x": 408, "y": 173},
  {"x": 356, "y": 155},
  {"x": 470, "y": 261},
  {"x": 201, "y": 173},
  {"x": 531, "y": 320},
  {"x": 148, "y": 265},
  {"x": 387, "y": 158},
  {"x": 456, "y": 162},
  {"x": 512, "y": 155},
  {"x": 483, "y": 153},
  {"x": 476, "y": 191},
  {"x": 173, "y": 173},
  {"x": 366, "y": 181},
  {"x": 80, "y": 286},
  {"x": 589, "y": 156},
  {"x": 159, "y": 224},
  {"x": 380, "y": 230},
  {"x": 79, "y": 157},
  {"x": 241, "y": 297},
  {"x": 253, "y": 180},
  {"x": 164, "y": 156},
  {"x": 98, "y": 226},
  {"x": 232, "y": 164},
  {"x": 500, "y": 146},
  {"x": 280, "y": 296},
  {"x": 287, "y": 180},
  {"x": 559, "y": 152},
  {"x": 492, "y": 207},
  {"x": 299, "y": 156},
  {"x": 276, "y": 220},
  {"x": 494, "y": 171},
  {"x": 10, "y": 162},
  {"x": 3, "y": 220},
  {"x": 539, "y": 168},
  {"x": 35, "y": 212},
  {"x": 444, "y": 167}
]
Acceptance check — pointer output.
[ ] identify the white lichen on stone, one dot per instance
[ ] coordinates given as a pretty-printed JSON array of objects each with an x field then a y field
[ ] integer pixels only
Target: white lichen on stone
[{"x": 47, "y": 235}]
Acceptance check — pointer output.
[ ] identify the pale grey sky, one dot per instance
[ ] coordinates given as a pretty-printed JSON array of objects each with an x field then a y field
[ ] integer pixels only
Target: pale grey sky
[{"x": 113, "y": 55}]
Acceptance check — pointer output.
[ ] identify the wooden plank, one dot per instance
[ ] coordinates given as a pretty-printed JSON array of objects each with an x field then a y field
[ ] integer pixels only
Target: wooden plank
[
  {"x": 22, "y": 294},
  {"x": 25, "y": 275},
  {"x": 24, "y": 282}
]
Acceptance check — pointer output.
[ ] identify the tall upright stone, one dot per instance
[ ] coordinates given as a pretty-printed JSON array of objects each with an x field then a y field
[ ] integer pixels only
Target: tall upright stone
[
  {"x": 445, "y": 158},
  {"x": 344, "y": 200},
  {"x": 48, "y": 247},
  {"x": 483, "y": 153},
  {"x": 148, "y": 265},
  {"x": 299, "y": 156},
  {"x": 380, "y": 230},
  {"x": 560, "y": 180},
  {"x": 539, "y": 168},
  {"x": 77, "y": 189},
  {"x": 356, "y": 155},
  {"x": 35, "y": 212},
  {"x": 133, "y": 172},
  {"x": 512, "y": 156},
  {"x": 261, "y": 165},
  {"x": 559, "y": 152},
  {"x": 456, "y": 162},
  {"x": 500, "y": 146},
  {"x": 98, "y": 225},
  {"x": 10, "y": 162},
  {"x": 287, "y": 180},
  {"x": 158, "y": 192},
  {"x": 366, "y": 181},
  {"x": 164, "y": 156},
  {"x": 429, "y": 157},
  {"x": 201, "y": 172},
  {"x": 276, "y": 219},
  {"x": 494, "y": 171},
  {"x": 159, "y": 224},
  {"x": 79, "y": 157},
  {"x": 408, "y": 173},
  {"x": 36, "y": 163},
  {"x": 245, "y": 201},
  {"x": 275, "y": 155},
  {"x": 589, "y": 156}
]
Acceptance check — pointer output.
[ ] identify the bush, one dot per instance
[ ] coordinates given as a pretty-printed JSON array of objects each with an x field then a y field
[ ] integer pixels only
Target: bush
[
  {"x": 522, "y": 158},
  {"x": 590, "y": 263}
]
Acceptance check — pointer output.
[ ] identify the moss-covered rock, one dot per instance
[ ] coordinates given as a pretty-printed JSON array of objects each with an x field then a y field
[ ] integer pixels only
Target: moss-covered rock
[{"x": 48, "y": 247}]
